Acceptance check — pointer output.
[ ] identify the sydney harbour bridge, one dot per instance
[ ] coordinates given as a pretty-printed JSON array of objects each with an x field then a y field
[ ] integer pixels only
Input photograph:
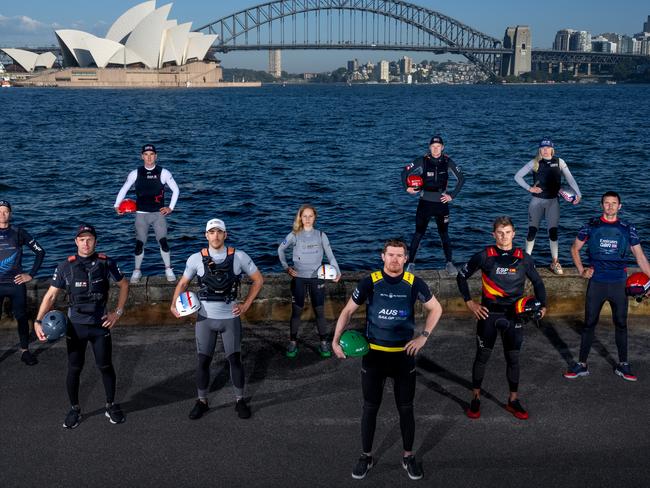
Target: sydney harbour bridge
[{"x": 387, "y": 25}]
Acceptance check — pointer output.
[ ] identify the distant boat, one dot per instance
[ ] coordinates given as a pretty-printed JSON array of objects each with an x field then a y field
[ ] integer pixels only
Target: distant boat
[{"x": 6, "y": 83}]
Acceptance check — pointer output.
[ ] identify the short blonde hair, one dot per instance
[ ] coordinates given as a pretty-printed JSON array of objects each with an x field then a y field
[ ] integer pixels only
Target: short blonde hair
[{"x": 297, "y": 222}]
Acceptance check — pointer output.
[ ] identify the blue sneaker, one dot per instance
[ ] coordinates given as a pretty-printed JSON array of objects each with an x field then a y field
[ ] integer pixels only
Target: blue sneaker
[
  {"x": 624, "y": 371},
  {"x": 578, "y": 369}
]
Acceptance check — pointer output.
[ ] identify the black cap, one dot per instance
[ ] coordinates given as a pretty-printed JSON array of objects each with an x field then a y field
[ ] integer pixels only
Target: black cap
[
  {"x": 86, "y": 228},
  {"x": 436, "y": 140},
  {"x": 5, "y": 203},
  {"x": 148, "y": 147}
]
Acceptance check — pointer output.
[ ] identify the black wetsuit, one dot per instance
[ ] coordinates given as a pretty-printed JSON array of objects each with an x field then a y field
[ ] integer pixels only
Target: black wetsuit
[
  {"x": 504, "y": 275},
  {"x": 86, "y": 280},
  {"x": 12, "y": 240},
  {"x": 435, "y": 173},
  {"x": 389, "y": 325}
]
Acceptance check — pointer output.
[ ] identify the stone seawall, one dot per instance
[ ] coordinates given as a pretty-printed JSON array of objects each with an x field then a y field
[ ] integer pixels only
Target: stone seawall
[{"x": 149, "y": 300}]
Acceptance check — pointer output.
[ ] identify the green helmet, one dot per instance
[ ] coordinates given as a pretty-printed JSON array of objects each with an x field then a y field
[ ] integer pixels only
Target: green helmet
[{"x": 353, "y": 344}]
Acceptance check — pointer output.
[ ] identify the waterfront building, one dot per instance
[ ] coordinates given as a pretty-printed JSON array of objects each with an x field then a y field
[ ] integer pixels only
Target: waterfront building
[
  {"x": 563, "y": 39},
  {"x": 382, "y": 68},
  {"x": 275, "y": 63},
  {"x": 405, "y": 65},
  {"x": 353, "y": 66},
  {"x": 30, "y": 61},
  {"x": 143, "y": 36},
  {"x": 626, "y": 45},
  {"x": 646, "y": 25},
  {"x": 601, "y": 44},
  {"x": 580, "y": 41}
]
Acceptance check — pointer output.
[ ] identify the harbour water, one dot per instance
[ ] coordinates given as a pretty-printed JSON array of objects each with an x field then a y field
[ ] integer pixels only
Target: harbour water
[{"x": 253, "y": 156}]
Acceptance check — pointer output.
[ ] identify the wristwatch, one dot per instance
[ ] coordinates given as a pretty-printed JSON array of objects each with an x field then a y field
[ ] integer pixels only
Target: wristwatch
[
  {"x": 119, "y": 312},
  {"x": 425, "y": 333}
]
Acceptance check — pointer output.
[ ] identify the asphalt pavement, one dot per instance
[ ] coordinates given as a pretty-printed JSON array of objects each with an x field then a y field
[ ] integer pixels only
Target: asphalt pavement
[{"x": 305, "y": 428}]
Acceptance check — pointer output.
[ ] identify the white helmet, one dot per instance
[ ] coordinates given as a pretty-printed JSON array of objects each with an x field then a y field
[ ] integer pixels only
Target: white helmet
[
  {"x": 327, "y": 272},
  {"x": 187, "y": 303},
  {"x": 567, "y": 193}
]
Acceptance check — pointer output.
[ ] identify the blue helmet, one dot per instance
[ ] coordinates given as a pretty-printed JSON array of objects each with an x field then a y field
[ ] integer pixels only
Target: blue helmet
[{"x": 54, "y": 325}]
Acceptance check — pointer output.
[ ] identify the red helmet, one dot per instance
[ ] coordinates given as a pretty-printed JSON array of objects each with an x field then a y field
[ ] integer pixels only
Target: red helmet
[
  {"x": 127, "y": 206},
  {"x": 637, "y": 285},
  {"x": 414, "y": 181}
]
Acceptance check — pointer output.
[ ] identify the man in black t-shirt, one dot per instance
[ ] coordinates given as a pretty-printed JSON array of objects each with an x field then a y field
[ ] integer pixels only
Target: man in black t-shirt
[
  {"x": 391, "y": 295},
  {"x": 85, "y": 277},
  {"x": 12, "y": 276},
  {"x": 504, "y": 271}
]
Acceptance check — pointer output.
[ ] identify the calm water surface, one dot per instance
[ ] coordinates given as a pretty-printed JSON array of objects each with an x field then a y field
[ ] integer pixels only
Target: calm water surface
[{"x": 253, "y": 156}]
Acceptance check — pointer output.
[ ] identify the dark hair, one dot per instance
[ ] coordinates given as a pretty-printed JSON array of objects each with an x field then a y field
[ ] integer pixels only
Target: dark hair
[
  {"x": 610, "y": 194},
  {"x": 394, "y": 243},
  {"x": 503, "y": 221}
]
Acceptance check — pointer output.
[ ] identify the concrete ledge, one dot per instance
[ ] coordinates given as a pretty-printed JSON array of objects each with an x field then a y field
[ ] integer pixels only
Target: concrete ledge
[{"x": 149, "y": 301}]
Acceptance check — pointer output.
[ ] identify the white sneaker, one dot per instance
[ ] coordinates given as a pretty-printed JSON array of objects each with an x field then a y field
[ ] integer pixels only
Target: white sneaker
[
  {"x": 135, "y": 277},
  {"x": 169, "y": 273},
  {"x": 451, "y": 269},
  {"x": 556, "y": 268}
]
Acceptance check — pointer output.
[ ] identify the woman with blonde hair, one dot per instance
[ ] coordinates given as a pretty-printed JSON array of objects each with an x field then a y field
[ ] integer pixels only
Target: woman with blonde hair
[
  {"x": 309, "y": 245},
  {"x": 547, "y": 171}
]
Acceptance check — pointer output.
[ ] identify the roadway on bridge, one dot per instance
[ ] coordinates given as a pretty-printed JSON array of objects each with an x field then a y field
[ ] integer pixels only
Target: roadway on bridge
[{"x": 304, "y": 431}]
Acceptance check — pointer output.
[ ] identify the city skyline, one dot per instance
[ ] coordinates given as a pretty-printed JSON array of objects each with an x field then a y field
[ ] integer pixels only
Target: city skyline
[{"x": 32, "y": 23}]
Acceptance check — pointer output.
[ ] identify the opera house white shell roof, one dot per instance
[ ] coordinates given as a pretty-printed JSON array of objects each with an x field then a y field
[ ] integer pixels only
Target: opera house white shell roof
[
  {"x": 28, "y": 60},
  {"x": 142, "y": 35}
]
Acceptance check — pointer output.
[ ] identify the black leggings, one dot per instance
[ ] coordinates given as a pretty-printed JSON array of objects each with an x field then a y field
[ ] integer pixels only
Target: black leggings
[
  {"x": 376, "y": 366},
  {"x": 597, "y": 295},
  {"x": 18, "y": 296},
  {"x": 425, "y": 212},
  {"x": 512, "y": 336},
  {"x": 236, "y": 374},
  {"x": 77, "y": 338},
  {"x": 316, "y": 289}
]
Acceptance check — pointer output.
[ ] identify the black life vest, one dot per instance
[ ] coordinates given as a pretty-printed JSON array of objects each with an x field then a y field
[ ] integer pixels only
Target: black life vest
[
  {"x": 219, "y": 282},
  {"x": 11, "y": 251},
  {"x": 389, "y": 315},
  {"x": 548, "y": 177},
  {"x": 435, "y": 172},
  {"x": 503, "y": 278},
  {"x": 88, "y": 284},
  {"x": 149, "y": 190}
]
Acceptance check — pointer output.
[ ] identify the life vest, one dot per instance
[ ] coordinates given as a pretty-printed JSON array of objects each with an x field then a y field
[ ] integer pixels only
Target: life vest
[
  {"x": 150, "y": 192},
  {"x": 10, "y": 254},
  {"x": 547, "y": 175},
  {"x": 503, "y": 278},
  {"x": 88, "y": 284},
  {"x": 389, "y": 315},
  {"x": 435, "y": 173},
  {"x": 219, "y": 282}
]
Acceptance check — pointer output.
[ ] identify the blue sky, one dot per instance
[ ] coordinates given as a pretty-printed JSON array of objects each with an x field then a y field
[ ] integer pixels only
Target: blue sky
[{"x": 31, "y": 22}]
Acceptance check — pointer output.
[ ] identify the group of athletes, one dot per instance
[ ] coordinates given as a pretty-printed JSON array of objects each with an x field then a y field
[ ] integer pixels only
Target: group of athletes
[{"x": 390, "y": 293}]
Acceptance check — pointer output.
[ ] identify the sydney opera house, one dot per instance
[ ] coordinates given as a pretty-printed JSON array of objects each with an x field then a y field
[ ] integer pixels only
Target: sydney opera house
[{"x": 155, "y": 50}]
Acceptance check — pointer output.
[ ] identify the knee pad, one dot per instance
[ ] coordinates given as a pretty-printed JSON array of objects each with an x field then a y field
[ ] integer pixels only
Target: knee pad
[
  {"x": 406, "y": 408},
  {"x": 75, "y": 370},
  {"x": 106, "y": 368},
  {"x": 371, "y": 408},
  {"x": 296, "y": 311},
  {"x": 204, "y": 361},
  {"x": 512, "y": 357},
  {"x": 234, "y": 359},
  {"x": 552, "y": 233},
  {"x": 532, "y": 232},
  {"x": 139, "y": 247},
  {"x": 164, "y": 247}
]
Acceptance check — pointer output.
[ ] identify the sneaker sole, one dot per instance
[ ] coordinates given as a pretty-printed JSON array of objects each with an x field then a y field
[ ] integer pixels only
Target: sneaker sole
[
  {"x": 626, "y": 378},
  {"x": 73, "y": 426},
  {"x": 516, "y": 414},
  {"x": 326, "y": 355},
  {"x": 360, "y": 477},
  {"x": 409, "y": 474},
  {"x": 472, "y": 415},
  {"x": 573, "y": 376},
  {"x": 111, "y": 420}
]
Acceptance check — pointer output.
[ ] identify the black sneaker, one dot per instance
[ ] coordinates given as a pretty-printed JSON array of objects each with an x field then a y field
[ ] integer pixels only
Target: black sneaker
[
  {"x": 114, "y": 414},
  {"x": 474, "y": 410},
  {"x": 413, "y": 469},
  {"x": 199, "y": 409},
  {"x": 72, "y": 419},
  {"x": 624, "y": 371},
  {"x": 28, "y": 358},
  {"x": 242, "y": 409},
  {"x": 362, "y": 467},
  {"x": 324, "y": 349}
]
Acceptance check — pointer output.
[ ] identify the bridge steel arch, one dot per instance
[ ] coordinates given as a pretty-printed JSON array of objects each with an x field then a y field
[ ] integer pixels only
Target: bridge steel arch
[{"x": 429, "y": 31}]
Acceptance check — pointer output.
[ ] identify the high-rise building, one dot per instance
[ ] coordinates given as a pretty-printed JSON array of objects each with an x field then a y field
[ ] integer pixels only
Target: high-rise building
[
  {"x": 646, "y": 25},
  {"x": 382, "y": 69},
  {"x": 405, "y": 65},
  {"x": 626, "y": 45},
  {"x": 562, "y": 39},
  {"x": 580, "y": 41},
  {"x": 353, "y": 66},
  {"x": 275, "y": 63},
  {"x": 601, "y": 44}
]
